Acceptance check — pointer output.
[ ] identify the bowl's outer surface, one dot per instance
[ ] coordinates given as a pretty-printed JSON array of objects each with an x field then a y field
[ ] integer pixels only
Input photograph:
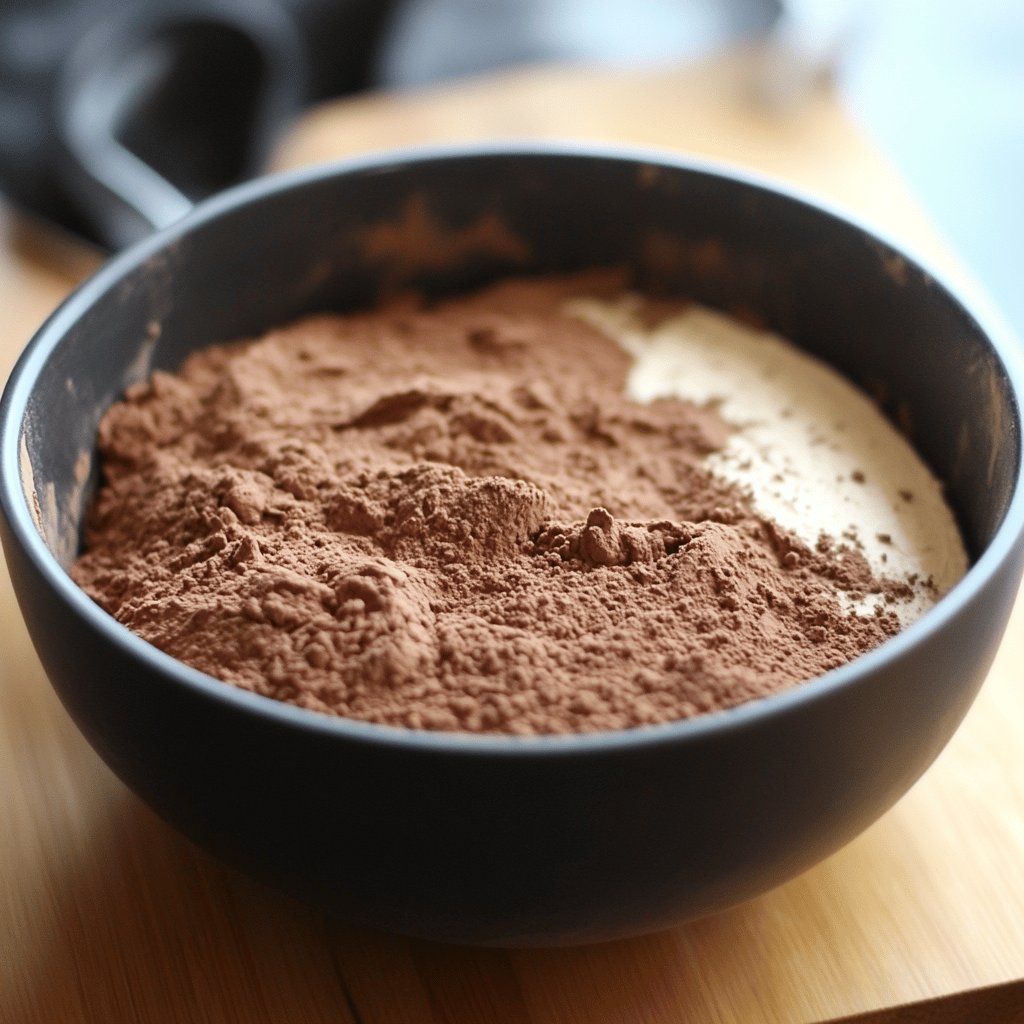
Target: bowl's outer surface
[{"x": 490, "y": 839}]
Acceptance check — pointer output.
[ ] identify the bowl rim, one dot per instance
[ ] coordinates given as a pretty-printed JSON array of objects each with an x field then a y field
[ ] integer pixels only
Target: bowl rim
[{"x": 15, "y": 507}]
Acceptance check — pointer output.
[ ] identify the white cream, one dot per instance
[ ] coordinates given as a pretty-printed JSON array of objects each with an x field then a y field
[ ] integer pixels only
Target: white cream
[{"x": 812, "y": 451}]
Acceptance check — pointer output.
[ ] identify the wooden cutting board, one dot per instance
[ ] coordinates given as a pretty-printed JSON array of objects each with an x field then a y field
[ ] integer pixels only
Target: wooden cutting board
[{"x": 108, "y": 915}]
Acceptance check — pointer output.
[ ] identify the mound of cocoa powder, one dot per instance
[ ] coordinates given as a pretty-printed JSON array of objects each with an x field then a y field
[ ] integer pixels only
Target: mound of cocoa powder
[{"x": 450, "y": 517}]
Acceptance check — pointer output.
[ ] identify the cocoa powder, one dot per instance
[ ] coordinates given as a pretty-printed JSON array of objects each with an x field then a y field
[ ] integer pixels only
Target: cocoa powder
[{"x": 450, "y": 517}]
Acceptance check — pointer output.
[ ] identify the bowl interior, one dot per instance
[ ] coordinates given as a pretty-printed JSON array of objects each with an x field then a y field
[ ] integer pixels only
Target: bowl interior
[{"x": 327, "y": 240}]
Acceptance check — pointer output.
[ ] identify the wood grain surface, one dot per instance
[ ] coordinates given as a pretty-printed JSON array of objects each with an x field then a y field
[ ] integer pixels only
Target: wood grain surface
[{"x": 106, "y": 914}]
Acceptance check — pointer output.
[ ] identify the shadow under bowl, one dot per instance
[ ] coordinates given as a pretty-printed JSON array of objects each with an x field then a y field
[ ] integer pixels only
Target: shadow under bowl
[{"x": 490, "y": 839}]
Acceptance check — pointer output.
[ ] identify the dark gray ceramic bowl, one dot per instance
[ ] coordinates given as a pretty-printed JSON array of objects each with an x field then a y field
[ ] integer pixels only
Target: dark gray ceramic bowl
[{"x": 495, "y": 840}]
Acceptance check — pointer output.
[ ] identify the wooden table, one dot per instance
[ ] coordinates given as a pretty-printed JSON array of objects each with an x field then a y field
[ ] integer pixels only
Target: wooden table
[{"x": 108, "y": 915}]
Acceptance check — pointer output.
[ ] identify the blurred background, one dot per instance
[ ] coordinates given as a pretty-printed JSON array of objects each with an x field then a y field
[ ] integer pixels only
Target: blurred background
[{"x": 198, "y": 90}]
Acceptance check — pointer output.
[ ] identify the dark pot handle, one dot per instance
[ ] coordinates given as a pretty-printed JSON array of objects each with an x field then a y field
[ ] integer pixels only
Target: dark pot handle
[{"x": 165, "y": 106}]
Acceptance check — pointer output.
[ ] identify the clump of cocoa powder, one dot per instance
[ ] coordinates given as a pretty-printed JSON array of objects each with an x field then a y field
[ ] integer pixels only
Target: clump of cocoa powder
[{"x": 451, "y": 517}]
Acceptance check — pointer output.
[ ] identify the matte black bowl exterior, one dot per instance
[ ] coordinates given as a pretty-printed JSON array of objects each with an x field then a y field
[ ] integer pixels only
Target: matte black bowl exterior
[{"x": 502, "y": 840}]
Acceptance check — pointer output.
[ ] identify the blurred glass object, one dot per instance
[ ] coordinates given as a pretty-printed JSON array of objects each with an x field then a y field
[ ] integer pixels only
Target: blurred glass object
[{"x": 940, "y": 84}]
